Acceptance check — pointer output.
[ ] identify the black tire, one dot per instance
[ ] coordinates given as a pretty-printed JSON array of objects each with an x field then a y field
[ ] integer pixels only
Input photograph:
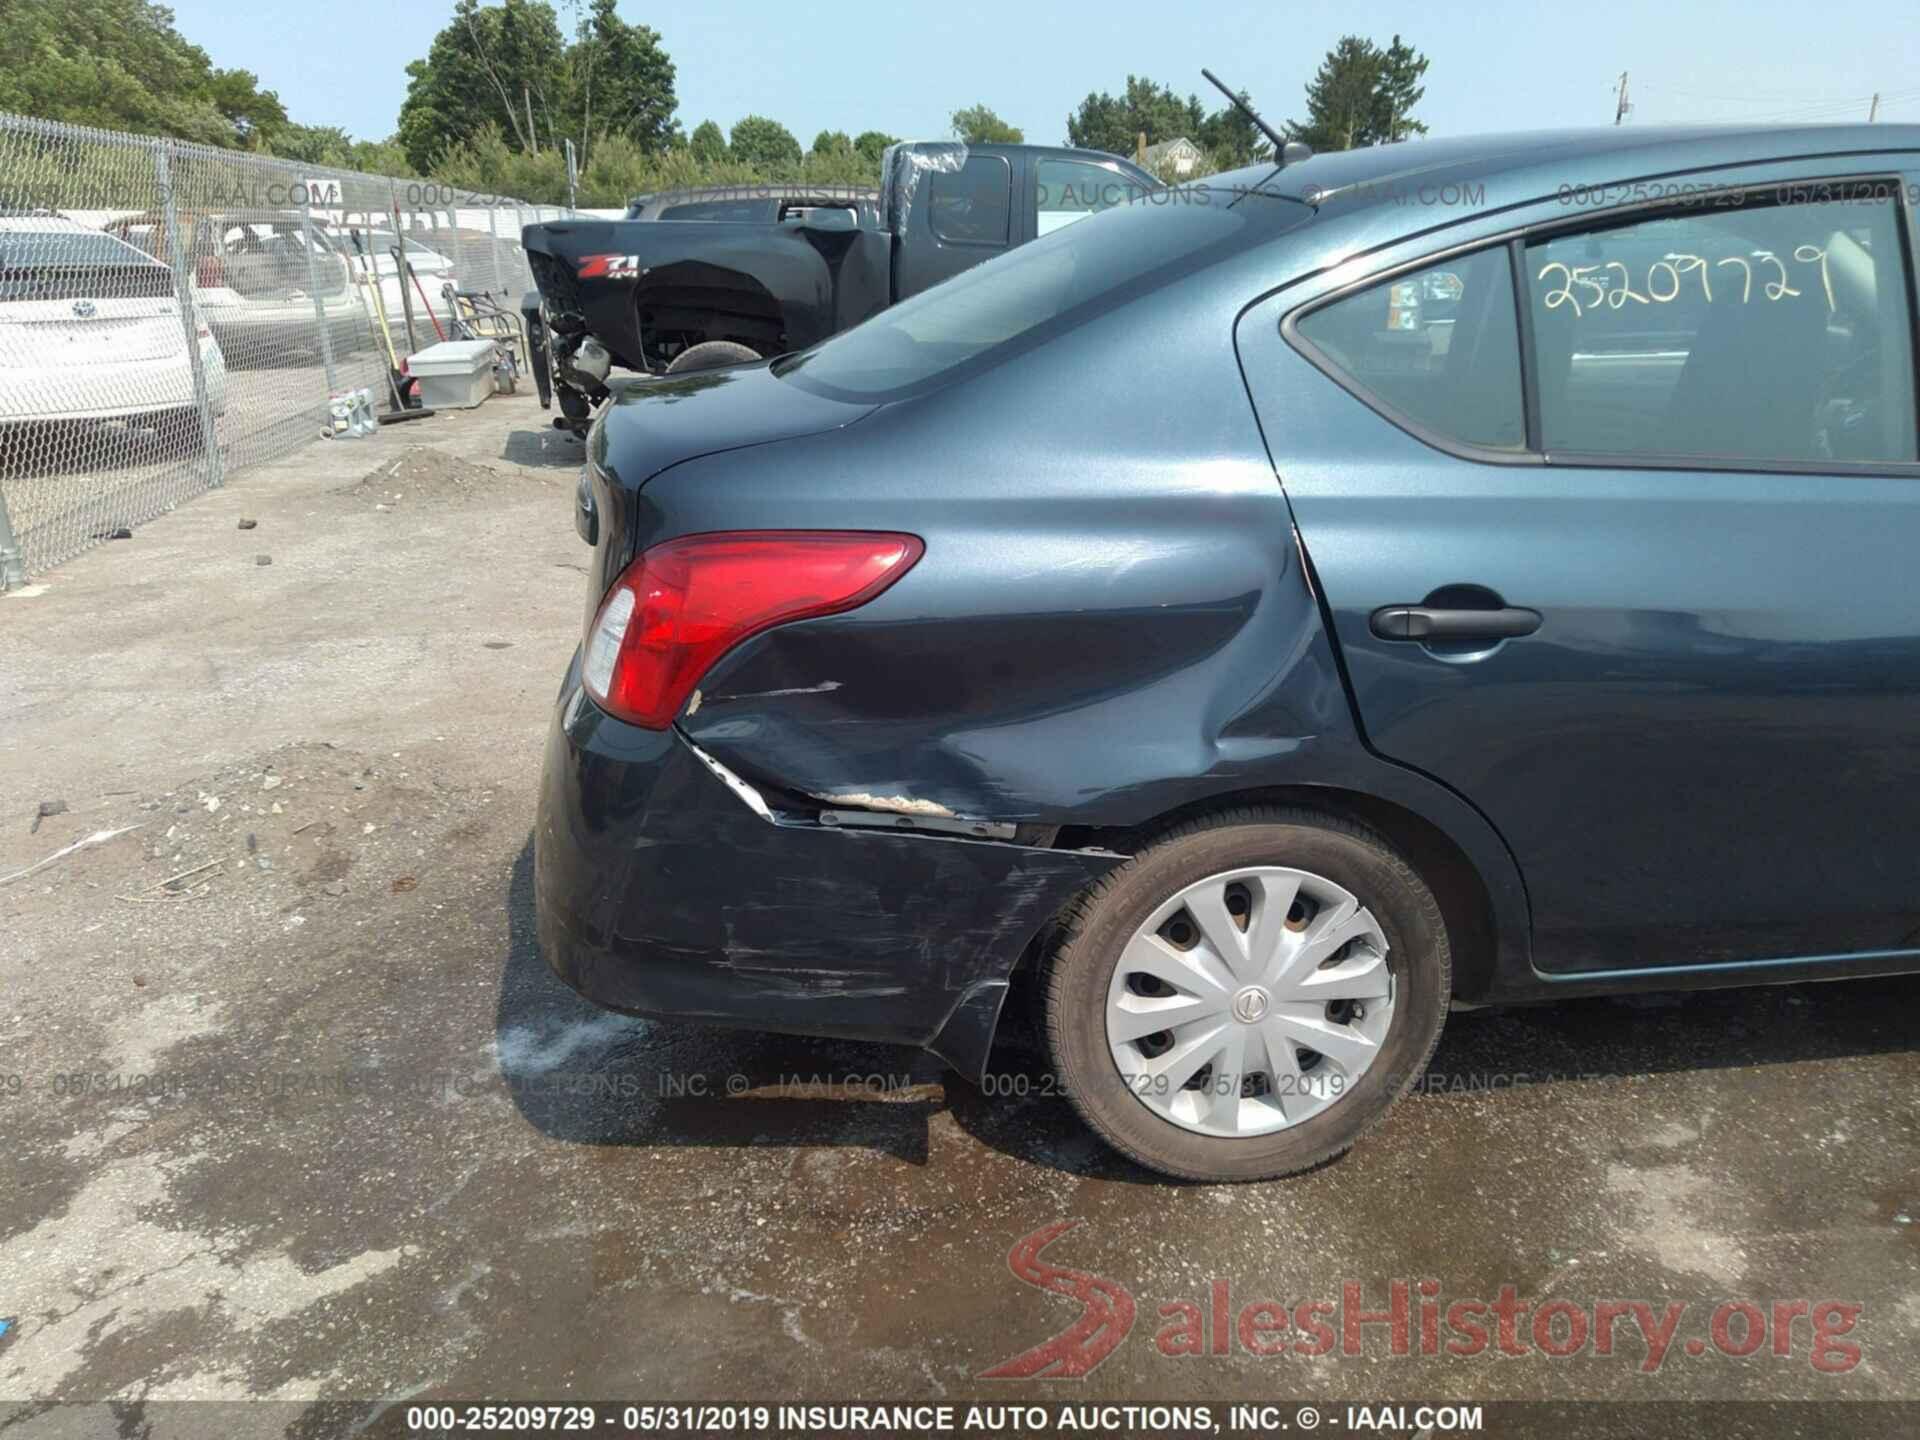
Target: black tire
[
  {"x": 711, "y": 355},
  {"x": 1100, "y": 924}
]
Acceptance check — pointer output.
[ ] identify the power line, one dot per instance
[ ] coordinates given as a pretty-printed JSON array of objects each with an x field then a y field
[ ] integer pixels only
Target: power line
[
  {"x": 1763, "y": 97},
  {"x": 1806, "y": 109}
]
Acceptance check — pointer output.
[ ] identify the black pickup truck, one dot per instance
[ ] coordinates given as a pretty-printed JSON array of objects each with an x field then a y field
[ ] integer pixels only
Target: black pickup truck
[{"x": 662, "y": 298}]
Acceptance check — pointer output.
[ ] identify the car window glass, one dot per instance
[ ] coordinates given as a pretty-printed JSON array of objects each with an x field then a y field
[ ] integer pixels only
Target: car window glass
[
  {"x": 972, "y": 204},
  {"x": 37, "y": 249},
  {"x": 149, "y": 238},
  {"x": 1440, "y": 346},
  {"x": 1765, "y": 331},
  {"x": 1068, "y": 190},
  {"x": 739, "y": 210},
  {"x": 1031, "y": 294}
]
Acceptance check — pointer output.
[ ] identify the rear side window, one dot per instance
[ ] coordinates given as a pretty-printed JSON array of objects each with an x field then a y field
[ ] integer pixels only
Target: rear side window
[
  {"x": 1763, "y": 331},
  {"x": 972, "y": 204},
  {"x": 1440, "y": 347}
]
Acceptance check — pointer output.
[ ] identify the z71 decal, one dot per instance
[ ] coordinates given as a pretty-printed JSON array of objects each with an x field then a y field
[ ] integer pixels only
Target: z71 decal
[{"x": 610, "y": 267}]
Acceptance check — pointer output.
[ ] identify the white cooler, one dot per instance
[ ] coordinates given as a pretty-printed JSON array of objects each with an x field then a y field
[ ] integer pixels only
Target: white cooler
[{"x": 455, "y": 374}]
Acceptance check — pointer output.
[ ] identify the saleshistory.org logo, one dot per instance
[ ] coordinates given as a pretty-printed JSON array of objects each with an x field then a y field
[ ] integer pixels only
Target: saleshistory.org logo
[{"x": 1414, "y": 1319}]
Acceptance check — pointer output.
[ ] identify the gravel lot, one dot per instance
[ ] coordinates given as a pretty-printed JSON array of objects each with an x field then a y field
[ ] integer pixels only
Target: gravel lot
[{"x": 313, "y": 1121}]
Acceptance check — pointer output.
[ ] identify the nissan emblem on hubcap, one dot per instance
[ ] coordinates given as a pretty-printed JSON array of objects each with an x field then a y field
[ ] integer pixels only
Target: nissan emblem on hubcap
[{"x": 1250, "y": 1005}]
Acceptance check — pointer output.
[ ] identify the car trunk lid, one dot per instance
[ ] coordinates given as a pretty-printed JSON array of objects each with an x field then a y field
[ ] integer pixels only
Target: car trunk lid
[
  {"x": 83, "y": 330},
  {"x": 652, "y": 425}
]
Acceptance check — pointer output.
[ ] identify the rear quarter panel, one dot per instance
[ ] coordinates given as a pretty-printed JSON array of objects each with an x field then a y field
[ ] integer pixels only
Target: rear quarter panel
[{"x": 1112, "y": 620}]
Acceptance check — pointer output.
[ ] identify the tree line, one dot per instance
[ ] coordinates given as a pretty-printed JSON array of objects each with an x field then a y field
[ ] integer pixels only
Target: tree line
[{"x": 502, "y": 89}]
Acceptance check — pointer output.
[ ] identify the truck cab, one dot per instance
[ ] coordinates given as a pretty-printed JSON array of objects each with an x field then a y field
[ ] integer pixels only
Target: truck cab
[
  {"x": 951, "y": 206},
  {"x": 751, "y": 275}
]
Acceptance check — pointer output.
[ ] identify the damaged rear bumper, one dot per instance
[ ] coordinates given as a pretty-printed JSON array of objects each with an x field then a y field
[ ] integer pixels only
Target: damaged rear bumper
[{"x": 664, "y": 890}]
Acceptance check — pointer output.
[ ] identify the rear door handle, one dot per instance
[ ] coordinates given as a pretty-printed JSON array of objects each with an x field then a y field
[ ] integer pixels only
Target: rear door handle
[{"x": 1424, "y": 624}]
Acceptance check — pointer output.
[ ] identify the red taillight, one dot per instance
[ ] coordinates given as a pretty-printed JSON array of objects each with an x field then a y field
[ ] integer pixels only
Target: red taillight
[
  {"x": 209, "y": 273},
  {"x": 684, "y": 604}
]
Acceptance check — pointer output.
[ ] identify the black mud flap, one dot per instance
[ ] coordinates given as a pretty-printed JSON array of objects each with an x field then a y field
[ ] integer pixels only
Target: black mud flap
[{"x": 537, "y": 347}]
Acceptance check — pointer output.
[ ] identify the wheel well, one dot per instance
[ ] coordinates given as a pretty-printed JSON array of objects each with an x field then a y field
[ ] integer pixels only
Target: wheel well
[
  {"x": 691, "y": 301},
  {"x": 1464, "y": 902}
]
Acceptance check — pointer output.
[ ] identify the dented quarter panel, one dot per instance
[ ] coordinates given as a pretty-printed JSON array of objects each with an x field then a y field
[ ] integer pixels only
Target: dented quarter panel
[{"x": 657, "y": 900}]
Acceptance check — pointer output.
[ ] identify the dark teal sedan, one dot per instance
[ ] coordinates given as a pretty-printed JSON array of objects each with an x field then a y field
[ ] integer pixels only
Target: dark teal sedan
[{"x": 1268, "y": 614}]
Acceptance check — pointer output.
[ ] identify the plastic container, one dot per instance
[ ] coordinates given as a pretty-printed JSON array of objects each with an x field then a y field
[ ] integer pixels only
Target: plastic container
[{"x": 453, "y": 375}]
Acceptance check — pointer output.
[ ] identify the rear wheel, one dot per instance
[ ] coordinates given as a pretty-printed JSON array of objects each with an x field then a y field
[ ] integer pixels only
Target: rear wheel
[
  {"x": 710, "y": 355},
  {"x": 1248, "y": 994}
]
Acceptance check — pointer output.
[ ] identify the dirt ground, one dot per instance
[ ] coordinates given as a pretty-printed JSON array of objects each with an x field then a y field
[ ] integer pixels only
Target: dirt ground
[{"x": 293, "y": 1110}]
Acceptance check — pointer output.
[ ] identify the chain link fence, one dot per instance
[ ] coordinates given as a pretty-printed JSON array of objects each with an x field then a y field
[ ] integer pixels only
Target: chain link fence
[{"x": 172, "y": 313}]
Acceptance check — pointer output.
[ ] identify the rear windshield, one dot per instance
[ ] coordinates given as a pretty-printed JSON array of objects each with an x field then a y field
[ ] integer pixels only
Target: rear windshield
[
  {"x": 38, "y": 249},
  {"x": 1029, "y": 295},
  {"x": 748, "y": 210},
  {"x": 76, "y": 265}
]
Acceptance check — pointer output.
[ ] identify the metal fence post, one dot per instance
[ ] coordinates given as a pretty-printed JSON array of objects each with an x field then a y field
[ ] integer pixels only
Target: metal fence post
[
  {"x": 313, "y": 289},
  {"x": 13, "y": 561},
  {"x": 183, "y": 287},
  {"x": 493, "y": 248}
]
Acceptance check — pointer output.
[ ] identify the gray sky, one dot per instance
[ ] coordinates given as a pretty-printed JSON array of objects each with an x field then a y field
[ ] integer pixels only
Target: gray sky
[{"x": 857, "y": 65}]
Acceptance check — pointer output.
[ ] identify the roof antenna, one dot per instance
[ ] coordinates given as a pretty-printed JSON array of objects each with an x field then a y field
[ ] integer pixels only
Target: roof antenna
[{"x": 1285, "y": 152}]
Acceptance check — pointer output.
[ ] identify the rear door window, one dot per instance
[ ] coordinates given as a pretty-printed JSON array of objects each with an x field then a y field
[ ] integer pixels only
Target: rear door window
[
  {"x": 1770, "y": 330},
  {"x": 1439, "y": 348},
  {"x": 974, "y": 204}
]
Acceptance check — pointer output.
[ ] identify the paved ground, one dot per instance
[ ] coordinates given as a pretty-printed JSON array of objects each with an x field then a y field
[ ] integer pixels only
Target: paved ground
[{"x": 324, "y": 1126}]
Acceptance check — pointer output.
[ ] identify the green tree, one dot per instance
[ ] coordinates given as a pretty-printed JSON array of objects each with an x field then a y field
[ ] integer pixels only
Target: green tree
[
  {"x": 314, "y": 144},
  {"x": 1233, "y": 139},
  {"x": 501, "y": 65},
  {"x": 121, "y": 65},
  {"x": 709, "y": 143},
  {"x": 1363, "y": 95},
  {"x": 871, "y": 144},
  {"x": 1401, "y": 70},
  {"x": 380, "y": 157},
  {"x": 767, "y": 144},
  {"x": 621, "y": 82},
  {"x": 1114, "y": 122},
  {"x": 978, "y": 125},
  {"x": 831, "y": 142}
]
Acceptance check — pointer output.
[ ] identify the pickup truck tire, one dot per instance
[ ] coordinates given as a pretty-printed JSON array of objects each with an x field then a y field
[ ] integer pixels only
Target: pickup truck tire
[
  {"x": 711, "y": 355},
  {"x": 1333, "y": 863}
]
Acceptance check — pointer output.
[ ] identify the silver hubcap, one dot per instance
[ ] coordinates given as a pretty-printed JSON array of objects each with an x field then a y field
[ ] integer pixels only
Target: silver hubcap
[{"x": 1250, "y": 1001}]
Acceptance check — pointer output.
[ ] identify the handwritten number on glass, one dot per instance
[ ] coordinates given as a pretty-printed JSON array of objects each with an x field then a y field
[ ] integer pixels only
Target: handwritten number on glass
[{"x": 1610, "y": 284}]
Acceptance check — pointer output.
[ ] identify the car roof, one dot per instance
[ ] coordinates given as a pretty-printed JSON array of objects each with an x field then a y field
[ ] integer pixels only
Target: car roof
[
  {"x": 1539, "y": 161},
  {"x": 39, "y": 221}
]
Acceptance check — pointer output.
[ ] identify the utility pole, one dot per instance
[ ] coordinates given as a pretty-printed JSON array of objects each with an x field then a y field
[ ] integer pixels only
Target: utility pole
[
  {"x": 1622, "y": 107},
  {"x": 1873, "y": 110}
]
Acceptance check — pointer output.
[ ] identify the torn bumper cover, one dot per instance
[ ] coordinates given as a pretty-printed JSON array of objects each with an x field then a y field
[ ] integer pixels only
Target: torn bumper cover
[{"x": 663, "y": 889}]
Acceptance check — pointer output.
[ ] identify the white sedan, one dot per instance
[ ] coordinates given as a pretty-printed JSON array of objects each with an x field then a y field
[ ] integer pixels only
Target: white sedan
[{"x": 91, "y": 329}]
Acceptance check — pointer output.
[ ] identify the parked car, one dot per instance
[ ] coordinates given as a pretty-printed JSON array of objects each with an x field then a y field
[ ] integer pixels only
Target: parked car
[
  {"x": 433, "y": 269},
  {"x": 90, "y": 330},
  {"x": 780, "y": 272},
  {"x": 754, "y": 204},
  {"x": 255, "y": 281},
  {"x": 1159, "y": 613}
]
